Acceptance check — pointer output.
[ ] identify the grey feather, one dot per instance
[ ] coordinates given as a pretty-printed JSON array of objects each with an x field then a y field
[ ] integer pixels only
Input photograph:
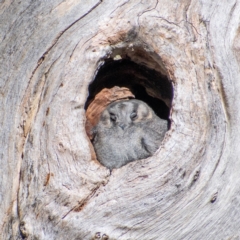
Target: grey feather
[{"x": 128, "y": 130}]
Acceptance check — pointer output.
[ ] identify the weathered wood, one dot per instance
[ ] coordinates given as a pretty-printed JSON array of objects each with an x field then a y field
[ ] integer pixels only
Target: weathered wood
[{"x": 51, "y": 187}]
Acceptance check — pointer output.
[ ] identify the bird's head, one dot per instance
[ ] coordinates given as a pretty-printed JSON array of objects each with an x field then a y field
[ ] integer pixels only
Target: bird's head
[{"x": 125, "y": 113}]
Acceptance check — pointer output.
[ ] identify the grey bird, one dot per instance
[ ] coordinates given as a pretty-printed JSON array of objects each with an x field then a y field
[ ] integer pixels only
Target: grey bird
[{"x": 128, "y": 130}]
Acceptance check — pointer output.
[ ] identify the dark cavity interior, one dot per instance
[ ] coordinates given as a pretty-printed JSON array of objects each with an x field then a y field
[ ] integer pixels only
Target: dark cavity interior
[{"x": 146, "y": 84}]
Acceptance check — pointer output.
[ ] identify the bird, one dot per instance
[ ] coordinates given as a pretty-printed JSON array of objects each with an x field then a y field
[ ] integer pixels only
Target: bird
[{"x": 127, "y": 130}]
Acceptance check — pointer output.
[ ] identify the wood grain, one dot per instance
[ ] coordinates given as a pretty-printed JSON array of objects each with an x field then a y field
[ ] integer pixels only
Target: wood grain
[{"x": 52, "y": 187}]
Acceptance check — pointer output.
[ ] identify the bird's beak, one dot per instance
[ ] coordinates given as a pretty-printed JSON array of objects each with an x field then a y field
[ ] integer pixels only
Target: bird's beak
[{"x": 122, "y": 126}]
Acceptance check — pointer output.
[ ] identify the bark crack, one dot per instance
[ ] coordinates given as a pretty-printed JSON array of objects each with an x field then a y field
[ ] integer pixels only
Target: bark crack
[
  {"x": 221, "y": 153},
  {"x": 172, "y": 23},
  {"x": 119, "y": 7},
  {"x": 149, "y": 10},
  {"x": 82, "y": 45},
  {"x": 84, "y": 202},
  {"x": 34, "y": 108},
  {"x": 30, "y": 116},
  {"x": 81, "y": 204},
  {"x": 41, "y": 59},
  {"x": 130, "y": 228},
  {"x": 188, "y": 22},
  {"x": 193, "y": 27}
]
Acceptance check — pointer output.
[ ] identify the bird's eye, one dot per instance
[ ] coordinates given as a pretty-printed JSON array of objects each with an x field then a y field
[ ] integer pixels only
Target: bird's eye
[
  {"x": 113, "y": 117},
  {"x": 133, "y": 115}
]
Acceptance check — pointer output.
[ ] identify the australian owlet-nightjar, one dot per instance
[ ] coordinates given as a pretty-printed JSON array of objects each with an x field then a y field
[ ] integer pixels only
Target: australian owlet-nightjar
[{"x": 128, "y": 130}]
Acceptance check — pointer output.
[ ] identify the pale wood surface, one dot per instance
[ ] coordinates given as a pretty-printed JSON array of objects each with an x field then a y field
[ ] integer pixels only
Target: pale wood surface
[{"x": 50, "y": 185}]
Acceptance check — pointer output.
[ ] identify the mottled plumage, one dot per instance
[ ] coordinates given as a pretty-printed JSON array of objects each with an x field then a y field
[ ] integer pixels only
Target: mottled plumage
[{"x": 127, "y": 130}]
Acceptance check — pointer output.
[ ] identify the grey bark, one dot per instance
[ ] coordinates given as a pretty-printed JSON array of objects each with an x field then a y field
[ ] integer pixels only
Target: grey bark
[{"x": 50, "y": 188}]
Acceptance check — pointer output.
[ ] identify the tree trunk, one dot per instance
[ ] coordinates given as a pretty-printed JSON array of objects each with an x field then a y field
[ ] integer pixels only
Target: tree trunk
[{"x": 51, "y": 187}]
